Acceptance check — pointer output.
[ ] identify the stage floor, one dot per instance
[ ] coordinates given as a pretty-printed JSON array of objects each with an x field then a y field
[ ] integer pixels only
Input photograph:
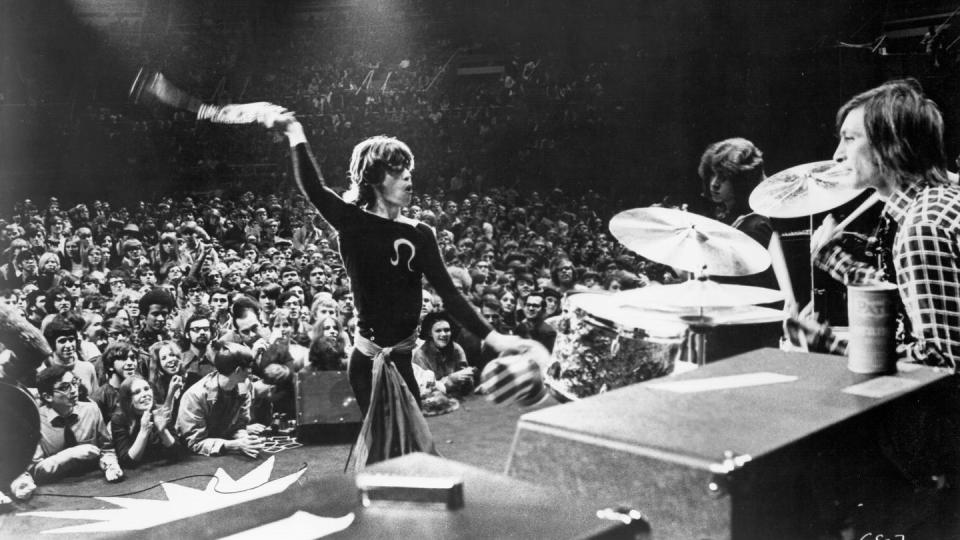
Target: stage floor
[{"x": 479, "y": 433}]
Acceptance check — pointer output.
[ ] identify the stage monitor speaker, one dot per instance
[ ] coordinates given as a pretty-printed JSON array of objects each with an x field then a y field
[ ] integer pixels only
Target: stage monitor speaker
[
  {"x": 722, "y": 454},
  {"x": 324, "y": 399}
]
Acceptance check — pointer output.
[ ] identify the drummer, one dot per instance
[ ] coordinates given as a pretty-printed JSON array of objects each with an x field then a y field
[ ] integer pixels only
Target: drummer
[
  {"x": 892, "y": 139},
  {"x": 730, "y": 169}
]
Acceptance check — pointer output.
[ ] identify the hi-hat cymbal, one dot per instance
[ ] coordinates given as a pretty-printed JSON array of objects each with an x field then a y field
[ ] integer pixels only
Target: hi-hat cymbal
[
  {"x": 698, "y": 293},
  {"x": 804, "y": 190},
  {"x": 689, "y": 241}
]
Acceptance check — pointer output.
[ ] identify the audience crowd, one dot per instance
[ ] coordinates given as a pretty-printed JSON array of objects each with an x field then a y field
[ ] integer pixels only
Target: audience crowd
[
  {"x": 178, "y": 325},
  {"x": 541, "y": 117}
]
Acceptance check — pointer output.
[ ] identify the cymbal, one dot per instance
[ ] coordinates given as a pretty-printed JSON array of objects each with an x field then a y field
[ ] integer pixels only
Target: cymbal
[
  {"x": 689, "y": 241},
  {"x": 609, "y": 306},
  {"x": 697, "y": 293},
  {"x": 804, "y": 190}
]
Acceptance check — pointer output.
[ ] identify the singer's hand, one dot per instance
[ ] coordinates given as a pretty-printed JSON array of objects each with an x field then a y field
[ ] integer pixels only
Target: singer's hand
[{"x": 275, "y": 116}]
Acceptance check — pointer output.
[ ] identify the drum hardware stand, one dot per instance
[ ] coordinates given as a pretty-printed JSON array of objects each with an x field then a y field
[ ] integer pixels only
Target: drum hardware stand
[{"x": 700, "y": 325}]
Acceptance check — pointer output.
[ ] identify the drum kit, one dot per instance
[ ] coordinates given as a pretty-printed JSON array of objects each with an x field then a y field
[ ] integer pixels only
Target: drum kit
[{"x": 609, "y": 340}]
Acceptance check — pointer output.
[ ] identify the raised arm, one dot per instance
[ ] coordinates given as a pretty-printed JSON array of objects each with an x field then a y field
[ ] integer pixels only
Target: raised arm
[{"x": 306, "y": 171}]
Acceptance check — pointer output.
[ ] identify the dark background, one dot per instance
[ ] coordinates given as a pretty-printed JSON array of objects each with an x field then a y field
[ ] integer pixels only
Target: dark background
[{"x": 687, "y": 73}]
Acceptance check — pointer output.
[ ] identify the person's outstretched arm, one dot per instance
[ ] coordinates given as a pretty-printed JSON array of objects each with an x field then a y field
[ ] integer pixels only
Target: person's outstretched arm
[{"x": 306, "y": 171}]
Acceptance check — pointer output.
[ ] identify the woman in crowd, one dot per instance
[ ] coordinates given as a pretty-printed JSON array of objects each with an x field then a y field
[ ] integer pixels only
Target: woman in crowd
[
  {"x": 440, "y": 354},
  {"x": 49, "y": 264},
  {"x": 166, "y": 374},
  {"x": 168, "y": 251},
  {"x": 142, "y": 432},
  {"x": 325, "y": 355},
  {"x": 329, "y": 328},
  {"x": 71, "y": 261},
  {"x": 508, "y": 305},
  {"x": 551, "y": 302},
  {"x": 93, "y": 260},
  {"x": 129, "y": 302},
  {"x": 281, "y": 325}
]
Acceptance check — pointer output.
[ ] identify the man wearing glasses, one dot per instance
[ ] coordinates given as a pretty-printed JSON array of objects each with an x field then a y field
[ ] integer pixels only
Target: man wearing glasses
[
  {"x": 73, "y": 435},
  {"x": 196, "y": 303},
  {"x": 533, "y": 325},
  {"x": 198, "y": 359}
]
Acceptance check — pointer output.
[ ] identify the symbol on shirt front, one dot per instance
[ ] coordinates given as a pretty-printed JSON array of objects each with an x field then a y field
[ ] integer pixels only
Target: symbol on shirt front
[{"x": 395, "y": 260}]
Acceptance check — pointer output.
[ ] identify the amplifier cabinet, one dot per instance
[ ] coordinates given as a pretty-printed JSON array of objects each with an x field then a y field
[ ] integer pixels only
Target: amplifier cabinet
[
  {"x": 784, "y": 460},
  {"x": 325, "y": 398}
]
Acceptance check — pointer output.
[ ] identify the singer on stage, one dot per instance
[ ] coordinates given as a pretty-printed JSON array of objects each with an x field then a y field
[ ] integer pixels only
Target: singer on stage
[{"x": 385, "y": 254}]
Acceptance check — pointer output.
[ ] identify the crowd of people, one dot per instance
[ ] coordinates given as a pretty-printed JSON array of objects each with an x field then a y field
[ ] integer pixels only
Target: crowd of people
[
  {"x": 538, "y": 122},
  {"x": 142, "y": 307}
]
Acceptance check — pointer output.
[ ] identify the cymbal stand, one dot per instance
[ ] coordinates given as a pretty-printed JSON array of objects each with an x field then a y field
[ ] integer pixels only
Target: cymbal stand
[{"x": 700, "y": 325}]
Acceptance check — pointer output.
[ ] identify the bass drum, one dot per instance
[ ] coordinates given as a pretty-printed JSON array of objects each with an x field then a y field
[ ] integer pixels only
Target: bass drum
[
  {"x": 601, "y": 346},
  {"x": 19, "y": 431}
]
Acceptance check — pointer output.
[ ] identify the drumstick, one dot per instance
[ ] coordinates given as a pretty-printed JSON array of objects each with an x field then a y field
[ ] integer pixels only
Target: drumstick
[
  {"x": 779, "y": 264},
  {"x": 864, "y": 206}
]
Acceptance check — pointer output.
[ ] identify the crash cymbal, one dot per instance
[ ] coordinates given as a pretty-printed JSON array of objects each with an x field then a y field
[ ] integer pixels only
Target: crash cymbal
[
  {"x": 697, "y": 293},
  {"x": 689, "y": 242},
  {"x": 804, "y": 190}
]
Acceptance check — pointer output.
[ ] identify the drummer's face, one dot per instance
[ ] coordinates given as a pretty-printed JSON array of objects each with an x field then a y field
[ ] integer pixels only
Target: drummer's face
[
  {"x": 721, "y": 190},
  {"x": 855, "y": 151}
]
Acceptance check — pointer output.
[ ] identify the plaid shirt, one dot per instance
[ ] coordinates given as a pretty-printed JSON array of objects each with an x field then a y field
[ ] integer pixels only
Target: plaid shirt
[{"x": 926, "y": 258}]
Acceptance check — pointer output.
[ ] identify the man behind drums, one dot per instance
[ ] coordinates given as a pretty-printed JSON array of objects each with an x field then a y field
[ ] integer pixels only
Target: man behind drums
[
  {"x": 891, "y": 137},
  {"x": 730, "y": 170}
]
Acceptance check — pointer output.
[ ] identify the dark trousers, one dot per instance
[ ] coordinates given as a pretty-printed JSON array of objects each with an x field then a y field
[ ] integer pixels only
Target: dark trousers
[{"x": 360, "y": 371}]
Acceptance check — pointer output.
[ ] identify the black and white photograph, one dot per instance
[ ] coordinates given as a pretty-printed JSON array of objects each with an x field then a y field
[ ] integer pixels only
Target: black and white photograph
[{"x": 480, "y": 269}]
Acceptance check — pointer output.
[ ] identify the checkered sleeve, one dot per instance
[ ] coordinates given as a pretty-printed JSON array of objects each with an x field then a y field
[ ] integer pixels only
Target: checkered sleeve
[
  {"x": 843, "y": 267},
  {"x": 929, "y": 277}
]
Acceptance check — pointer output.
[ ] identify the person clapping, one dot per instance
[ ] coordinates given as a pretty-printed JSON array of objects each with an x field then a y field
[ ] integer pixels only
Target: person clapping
[{"x": 142, "y": 431}]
